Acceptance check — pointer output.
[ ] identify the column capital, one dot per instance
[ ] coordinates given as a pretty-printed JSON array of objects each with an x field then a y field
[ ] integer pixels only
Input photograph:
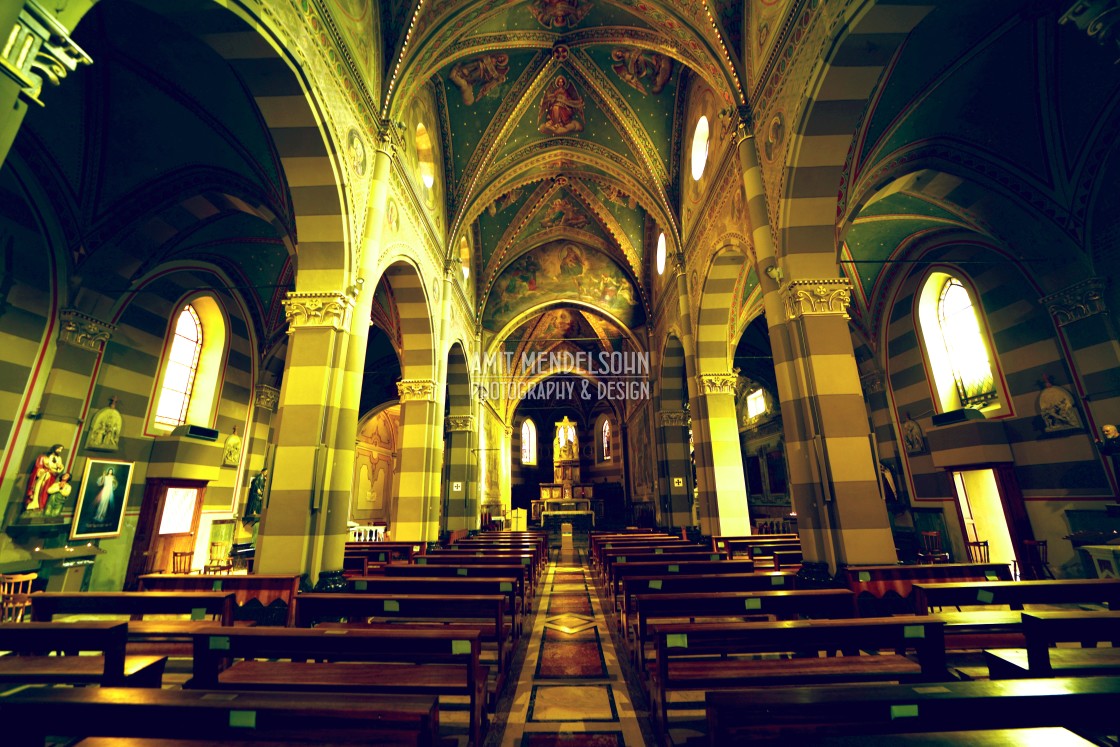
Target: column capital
[
  {"x": 458, "y": 423},
  {"x": 39, "y": 49},
  {"x": 267, "y": 397},
  {"x": 1077, "y": 302},
  {"x": 1097, "y": 18},
  {"x": 509, "y": 431},
  {"x": 819, "y": 297},
  {"x": 416, "y": 390},
  {"x": 744, "y": 125},
  {"x": 719, "y": 383},
  {"x": 673, "y": 419},
  {"x": 318, "y": 309},
  {"x": 84, "y": 331}
]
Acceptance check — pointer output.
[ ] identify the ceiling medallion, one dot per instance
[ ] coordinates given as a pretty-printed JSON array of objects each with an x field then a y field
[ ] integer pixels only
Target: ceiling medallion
[{"x": 558, "y": 14}]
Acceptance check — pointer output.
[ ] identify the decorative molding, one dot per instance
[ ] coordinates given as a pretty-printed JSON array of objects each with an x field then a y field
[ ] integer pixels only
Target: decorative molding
[
  {"x": 825, "y": 297},
  {"x": 1077, "y": 302},
  {"x": 267, "y": 397},
  {"x": 673, "y": 419},
  {"x": 83, "y": 331},
  {"x": 458, "y": 423},
  {"x": 323, "y": 309},
  {"x": 39, "y": 48},
  {"x": 416, "y": 390},
  {"x": 719, "y": 383},
  {"x": 1097, "y": 18}
]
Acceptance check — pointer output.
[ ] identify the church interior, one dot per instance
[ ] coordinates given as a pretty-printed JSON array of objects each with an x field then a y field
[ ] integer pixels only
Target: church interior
[{"x": 305, "y": 290}]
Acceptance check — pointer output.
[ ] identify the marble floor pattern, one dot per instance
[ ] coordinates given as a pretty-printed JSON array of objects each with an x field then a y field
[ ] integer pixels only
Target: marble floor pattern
[{"x": 570, "y": 689}]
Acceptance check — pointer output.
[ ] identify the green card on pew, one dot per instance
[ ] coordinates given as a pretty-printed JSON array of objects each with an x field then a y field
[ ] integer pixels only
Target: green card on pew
[
  {"x": 460, "y": 647},
  {"x": 460, "y": 571},
  {"x": 243, "y": 719},
  {"x": 864, "y": 577},
  {"x": 676, "y": 640},
  {"x": 655, "y": 583},
  {"x": 674, "y": 569},
  {"x": 198, "y": 613},
  {"x": 753, "y": 603},
  {"x": 984, "y": 596},
  {"x": 504, "y": 585},
  {"x": 361, "y": 585},
  {"x": 392, "y": 605},
  {"x": 777, "y": 580},
  {"x": 904, "y": 711}
]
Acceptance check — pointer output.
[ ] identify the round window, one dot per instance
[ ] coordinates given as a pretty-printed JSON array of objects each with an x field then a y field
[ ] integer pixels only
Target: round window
[
  {"x": 661, "y": 254},
  {"x": 424, "y": 156},
  {"x": 699, "y": 148}
]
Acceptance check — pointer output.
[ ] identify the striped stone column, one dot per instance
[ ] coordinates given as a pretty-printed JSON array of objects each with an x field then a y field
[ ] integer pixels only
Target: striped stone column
[
  {"x": 724, "y": 496},
  {"x": 678, "y": 469},
  {"x": 462, "y": 505},
  {"x": 415, "y": 514},
  {"x": 1086, "y": 330},
  {"x": 288, "y": 538},
  {"x": 842, "y": 505}
]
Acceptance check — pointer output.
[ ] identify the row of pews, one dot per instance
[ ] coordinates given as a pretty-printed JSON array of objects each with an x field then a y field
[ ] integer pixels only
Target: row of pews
[
  {"x": 911, "y": 644},
  {"x": 401, "y": 636}
]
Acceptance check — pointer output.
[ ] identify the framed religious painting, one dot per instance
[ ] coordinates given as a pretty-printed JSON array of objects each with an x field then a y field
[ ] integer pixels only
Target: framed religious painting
[{"x": 101, "y": 499}]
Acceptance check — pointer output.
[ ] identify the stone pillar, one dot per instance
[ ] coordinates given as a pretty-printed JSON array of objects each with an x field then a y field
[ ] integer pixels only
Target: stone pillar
[
  {"x": 260, "y": 435},
  {"x": 721, "y": 459},
  {"x": 416, "y": 482},
  {"x": 462, "y": 505},
  {"x": 678, "y": 474},
  {"x": 290, "y": 535}
]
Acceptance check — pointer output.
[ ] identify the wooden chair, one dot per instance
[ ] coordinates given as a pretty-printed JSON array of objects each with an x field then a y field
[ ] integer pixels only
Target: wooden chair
[
  {"x": 931, "y": 551},
  {"x": 978, "y": 551},
  {"x": 15, "y": 595},
  {"x": 181, "y": 561},
  {"x": 1034, "y": 561}
]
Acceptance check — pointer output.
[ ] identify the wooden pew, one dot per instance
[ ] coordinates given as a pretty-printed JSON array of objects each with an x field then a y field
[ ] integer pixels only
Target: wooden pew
[
  {"x": 482, "y": 614},
  {"x": 613, "y": 557},
  {"x": 384, "y": 552},
  {"x": 1044, "y": 629},
  {"x": 522, "y": 574},
  {"x": 445, "y": 585},
  {"x": 274, "y": 593},
  {"x": 424, "y": 662},
  {"x": 512, "y": 557},
  {"x": 719, "y": 542},
  {"x": 757, "y": 550},
  {"x": 888, "y": 589},
  {"x": 661, "y": 608},
  {"x": 675, "y": 583},
  {"x": 711, "y": 657},
  {"x": 494, "y": 560},
  {"x": 801, "y": 715},
  {"x": 30, "y": 642},
  {"x": 172, "y": 637},
  {"x": 1017, "y": 593},
  {"x": 539, "y": 541},
  {"x": 622, "y": 571},
  {"x": 32, "y": 715},
  {"x": 790, "y": 559}
]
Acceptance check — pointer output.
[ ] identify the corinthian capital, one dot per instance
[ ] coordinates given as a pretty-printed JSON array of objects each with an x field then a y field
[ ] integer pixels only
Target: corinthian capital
[
  {"x": 267, "y": 397},
  {"x": 318, "y": 309},
  {"x": 826, "y": 297},
  {"x": 39, "y": 49},
  {"x": 84, "y": 331},
  {"x": 673, "y": 419},
  {"x": 458, "y": 423},
  {"x": 719, "y": 383},
  {"x": 415, "y": 390},
  {"x": 1076, "y": 302}
]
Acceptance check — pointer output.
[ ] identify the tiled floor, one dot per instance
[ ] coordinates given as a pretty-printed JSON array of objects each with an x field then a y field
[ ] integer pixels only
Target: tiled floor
[{"x": 570, "y": 690}]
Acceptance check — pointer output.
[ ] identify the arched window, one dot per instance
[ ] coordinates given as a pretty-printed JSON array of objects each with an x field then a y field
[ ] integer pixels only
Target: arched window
[
  {"x": 956, "y": 345},
  {"x": 180, "y": 369},
  {"x": 606, "y": 439},
  {"x": 528, "y": 442},
  {"x": 190, "y": 373}
]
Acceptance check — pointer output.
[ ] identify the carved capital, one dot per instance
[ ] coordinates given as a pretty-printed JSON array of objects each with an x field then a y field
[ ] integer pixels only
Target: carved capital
[
  {"x": 324, "y": 309},
  {"x": 871, "y": 383},
  {"x": 1076, "y": 302},
  {"x": 745, "y": 125},
  {"x": 826, "y": 297},
  {"x": 458, "y": 423},
  {"x": 719, "y": 383},
  {"x": 416, "y": 390},
  {"x": 1100, "y": 19},
  {"x": 673, "y": 419},
  {"x": 84, "y": 331},
  {"x": 39, "y": 49},
  {"x": 509, "y": 431},
  {"x": 267, "y": 397}
]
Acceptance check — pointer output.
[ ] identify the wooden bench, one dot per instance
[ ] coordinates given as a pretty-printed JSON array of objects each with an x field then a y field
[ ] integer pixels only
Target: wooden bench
[
  {"x": 262, "y": 598},
  {"x": 758, "y": 550},
  {"x": 482, "y": 614},
  {"x": 30, "y": 644},
  {"x": 1040, "y": 658},
  {"x": 784, "y": 605},
  {"x": 888, "y": 589},
  {"x": 719, "y": 657},
  {"x": 521, "y": 574},
  {"x": 32, "y": 715},
  {"x": 172, "y": 637},
  {"x": 801, "y": 715},
  {"x": 621, "y": 571},
  {"x": 449, "y": 585},
  {"x": 424, "y": 662},
  {"x": 613, "y": 558},
  {"x": 384, "y": 552},
  {"x": 675, "y": 583},
  {"x": 719, "y": 542},
  {"x": 1017, "y": 593}
]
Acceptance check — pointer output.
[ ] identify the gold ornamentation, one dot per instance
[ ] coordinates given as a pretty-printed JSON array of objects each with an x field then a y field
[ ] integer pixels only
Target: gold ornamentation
[
  {"x": 1097, "y": 18},
  {"x": 323, "y": 309},
  {"x": 458, "y": 423},
  {"x": 39, "y": 48},
  {"x": 826, "y": 297},
  {"x": 720, "y": 383},
  {"x": 267, "y": 397},
  {"x": 84, "y": 331},
  {"x": 673, "y": 419},
  {"x": 1076, "y": 302},
  {"x": 416, "y": 390}
]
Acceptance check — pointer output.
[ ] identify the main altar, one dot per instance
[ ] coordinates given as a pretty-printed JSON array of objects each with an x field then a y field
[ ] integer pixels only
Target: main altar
[{"x": 566, "y": 499}]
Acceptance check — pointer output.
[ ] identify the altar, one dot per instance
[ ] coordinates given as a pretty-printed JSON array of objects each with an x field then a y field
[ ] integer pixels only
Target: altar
[
  {"x": 581, "y": 521},
  {"x": 566, "y": 498}
]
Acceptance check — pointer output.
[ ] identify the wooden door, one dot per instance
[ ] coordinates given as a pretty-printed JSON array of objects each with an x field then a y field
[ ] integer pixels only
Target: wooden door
[{"x": 168, "y": 523}]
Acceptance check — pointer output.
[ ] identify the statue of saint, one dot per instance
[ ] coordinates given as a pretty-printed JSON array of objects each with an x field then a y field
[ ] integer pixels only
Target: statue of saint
[
  {"x": 231, "y": 454},
  {"x": 255, "y": 503},
  {"x": 48, "y": 467},
  {"x": 105, "y": 428}
]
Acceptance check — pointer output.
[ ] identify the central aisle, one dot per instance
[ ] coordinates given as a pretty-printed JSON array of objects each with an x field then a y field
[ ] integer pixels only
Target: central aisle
[{"x": 571, "y": 690}]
